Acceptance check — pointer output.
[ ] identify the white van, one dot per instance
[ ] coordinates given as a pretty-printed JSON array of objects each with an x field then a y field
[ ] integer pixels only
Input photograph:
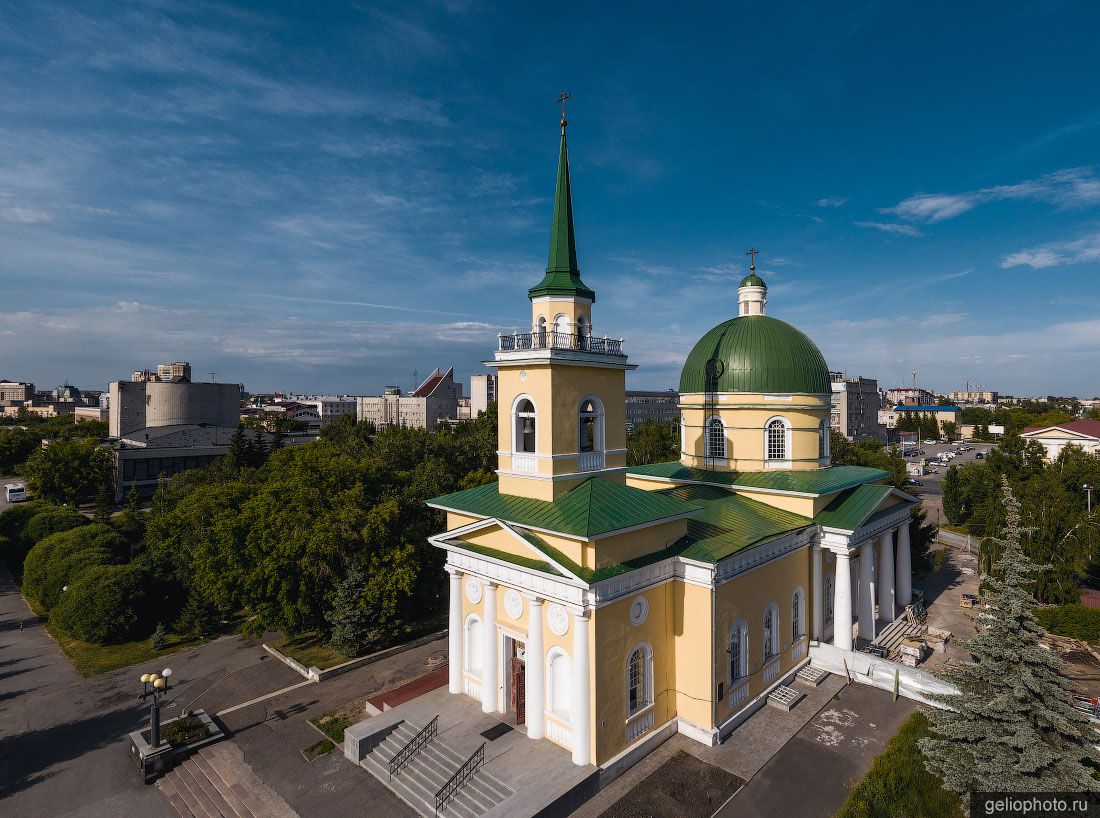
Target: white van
[{"x": 15, "y": 492}]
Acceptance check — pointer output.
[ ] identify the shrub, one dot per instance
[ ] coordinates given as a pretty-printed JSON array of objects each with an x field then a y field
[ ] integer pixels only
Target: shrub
[
  {"x": 59, "y": 558},
  {"x": 14, "y": 545},
  {"x": 50, "y": 521},
  {"x": 1075, "y": 621},
  {"x": 898, "y": 784},
  {"x": 104, "y": 604}
]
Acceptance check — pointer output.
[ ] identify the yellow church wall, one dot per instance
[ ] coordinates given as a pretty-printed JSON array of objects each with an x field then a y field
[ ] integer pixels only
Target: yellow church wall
[
  {"x": 633, "y": 544},
  {"x": 550, "y": 308},
  {"x": 745, "y": 436},
  {"x": 747, "y": 597},
  {"x": 638, "y": 482},
  {"x": 570, "y": 384},
  {"x": 694, "y": 654},
  {"x": 455, "y": 520},
  {"x": 614, "y": 639},
  {"x": 787, "y": 502}
]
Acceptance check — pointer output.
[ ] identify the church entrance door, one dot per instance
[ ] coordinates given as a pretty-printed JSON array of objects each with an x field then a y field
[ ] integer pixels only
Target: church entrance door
[{"x": 517, "y": 700}]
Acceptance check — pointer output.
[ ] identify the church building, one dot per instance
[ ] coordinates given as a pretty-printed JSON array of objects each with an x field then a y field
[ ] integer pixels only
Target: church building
[{"x": 604, "y": 606}]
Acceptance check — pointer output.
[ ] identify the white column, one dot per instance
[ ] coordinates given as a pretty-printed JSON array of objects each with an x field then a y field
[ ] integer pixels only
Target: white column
[
  {"x": 867, "y": 590},
  {"x": 904, "y": 567},
  {"x": 581, "y": 704},
  {"x": 489, "y": 681},
  {"x": 885, "y": 578},
  {"x": 454, "y": 634},
  {"x": 534, "y": 673},
  {"x": 842, "y": 602},
  {"x": 819, "y": 601}
]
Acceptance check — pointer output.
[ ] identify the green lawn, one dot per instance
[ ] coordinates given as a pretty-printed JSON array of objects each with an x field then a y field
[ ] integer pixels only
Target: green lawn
[
  {"x": 308, "y": 649},
  {"x": 318, "y": 749},
  {"x": 958, "y": 529},
  {"x": 898, "y": 785},
  {"x": 333, "y": 725},
  {"x": 91, "y": 660}
]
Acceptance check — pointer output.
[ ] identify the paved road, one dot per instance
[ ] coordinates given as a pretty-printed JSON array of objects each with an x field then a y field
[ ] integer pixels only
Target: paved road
[
  {"x": 812, "y": 774},
  {"x": 62, "y": 737}
]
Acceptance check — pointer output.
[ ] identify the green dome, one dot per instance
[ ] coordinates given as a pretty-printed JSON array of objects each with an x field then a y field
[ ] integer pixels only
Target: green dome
[
  {"x": 756, "y": 353},
  {"x": 752, "y": 280}
]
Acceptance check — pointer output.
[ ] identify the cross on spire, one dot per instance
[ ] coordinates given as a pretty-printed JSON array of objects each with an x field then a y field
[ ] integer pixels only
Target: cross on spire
[
  {"x": 752, "y": 263},
  {"x": 561, "y": 101}
]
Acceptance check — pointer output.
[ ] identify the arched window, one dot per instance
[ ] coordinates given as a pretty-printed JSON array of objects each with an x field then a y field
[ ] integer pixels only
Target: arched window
[
  {"x": 798, "y": 609},
  {"x": 559, "y": 681},
  {"x": 472, "y": 644},
  {"x": 524, "y": 426},
  {"x": 739, "y": 652},
  {"x": 776, "y": 439},
  {"x": 590, "y": 425},
  {"x": 827, "y": 593},
  {"x": 540, "y": 333},
  {"x": 639, "y": 679},
  {"x": 562, "y": 338},
  {"x": 683, "y": 434},
  {"x": 771, "y": 631},
  {"x": 716, "y": 438},
  {"x": 823, "y": 441}
]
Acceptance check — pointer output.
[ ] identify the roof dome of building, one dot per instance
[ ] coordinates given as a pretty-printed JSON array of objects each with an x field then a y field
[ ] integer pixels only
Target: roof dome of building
[
  {"x": 755, "y": 353},
  {"x": 752, "y": 280}
]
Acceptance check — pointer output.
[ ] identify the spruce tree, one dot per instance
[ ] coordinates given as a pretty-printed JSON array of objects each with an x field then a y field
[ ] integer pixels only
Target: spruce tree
[
  {"x": 159, "y": 639},
  {"x": 198, "y": 617},
  {"x": 1012, "y": 727},
  {"x": 353, "y": 619},
  {"x": 238, "y": 447},
  {"x": 259, "y": 449},
  {"x": 103, "y": 505}
]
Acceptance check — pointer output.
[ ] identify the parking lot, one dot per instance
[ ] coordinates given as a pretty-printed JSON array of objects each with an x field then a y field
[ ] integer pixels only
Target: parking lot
[{"x": 935, "y": 476}]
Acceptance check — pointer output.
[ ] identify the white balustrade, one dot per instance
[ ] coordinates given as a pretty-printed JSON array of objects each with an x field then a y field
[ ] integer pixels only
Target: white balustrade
[
  {"x": 522, "y": 461},
  {"x": 472, "y": 686},
  {"x": 560, "y": 734},
  {"x": 590, "y": 461},
  {"x": 799, "y": 650},
  {"x": 638, "y": 725},
  {"x": 771, "y": 670},
  {"x": 738, "y": 693}
]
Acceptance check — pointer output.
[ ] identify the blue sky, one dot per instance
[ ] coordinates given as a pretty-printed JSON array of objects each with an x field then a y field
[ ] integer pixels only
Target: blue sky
[{"x": 327, "y": 196}]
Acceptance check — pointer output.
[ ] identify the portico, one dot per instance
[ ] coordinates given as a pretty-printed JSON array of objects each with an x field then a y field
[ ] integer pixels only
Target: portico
[{"x": 877, "y": 553}]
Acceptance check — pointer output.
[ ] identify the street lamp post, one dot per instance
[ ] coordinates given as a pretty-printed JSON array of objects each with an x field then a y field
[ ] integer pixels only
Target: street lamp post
[
  {"x": 154, "y": 686},
  {"x": 1088, "y": 491}
]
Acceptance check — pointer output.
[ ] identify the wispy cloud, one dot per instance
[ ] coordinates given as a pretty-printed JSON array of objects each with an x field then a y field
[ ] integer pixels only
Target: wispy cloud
[
  {"x": 887, "y": 227},
  {"x": 1056, "y": 254},
  {"x": 1072, "y": 186},
  {"x": 831, "y": 202},
  {"x": 25, "y": 215}
]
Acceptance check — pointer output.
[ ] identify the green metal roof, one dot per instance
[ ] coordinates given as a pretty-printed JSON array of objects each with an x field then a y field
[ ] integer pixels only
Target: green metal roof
[
  {"x": 752, "y": 280},
  {"x": 851, "y": 508},
  {"x": 730, "y": 523},
  {"x": 563, "y": 276},
  {"x": 815, "y": 481},
  {"x": 755, "y": 353},
  {"x": 597, "y": 506}
]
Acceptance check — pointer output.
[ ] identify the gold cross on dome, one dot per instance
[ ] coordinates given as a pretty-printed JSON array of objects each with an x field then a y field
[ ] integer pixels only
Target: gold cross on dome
[{"x": 753, "y": 253}]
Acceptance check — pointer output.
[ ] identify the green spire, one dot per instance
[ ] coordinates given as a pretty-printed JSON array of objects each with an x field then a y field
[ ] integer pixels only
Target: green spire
[{"x": 563, "y": 277}]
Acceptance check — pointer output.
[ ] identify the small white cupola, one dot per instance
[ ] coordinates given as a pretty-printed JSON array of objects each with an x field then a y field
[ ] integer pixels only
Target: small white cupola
[{"x": 752, "y": 293}]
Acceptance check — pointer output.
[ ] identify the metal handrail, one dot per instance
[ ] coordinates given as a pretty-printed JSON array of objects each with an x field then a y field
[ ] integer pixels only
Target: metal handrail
[
  {"x": 414, "y": 746},
  {"x": 553, "y": 339},
  {"x": 451, "y": 788}
]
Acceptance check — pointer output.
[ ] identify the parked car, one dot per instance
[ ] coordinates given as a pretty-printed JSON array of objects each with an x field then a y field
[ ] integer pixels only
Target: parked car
[
  {"x": 980, "y": 456},
  {"x": 930, "y": 442},
  {"x": 15, "y": 492},
  {"x": 912, "y": 482}
]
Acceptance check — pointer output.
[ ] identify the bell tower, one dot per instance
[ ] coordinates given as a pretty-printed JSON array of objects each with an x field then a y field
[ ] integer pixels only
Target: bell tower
[{"x": 561, "y": 391}]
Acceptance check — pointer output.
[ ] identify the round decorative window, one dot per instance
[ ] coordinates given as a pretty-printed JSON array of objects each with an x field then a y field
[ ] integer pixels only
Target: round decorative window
[
  {"x": 523, "y": 375},
  {"x": 557, "y": 619},
  {"x": 639, "y": 610},
  {"x": 513, "y": 603},
  {"x": 473, "y": 590}
]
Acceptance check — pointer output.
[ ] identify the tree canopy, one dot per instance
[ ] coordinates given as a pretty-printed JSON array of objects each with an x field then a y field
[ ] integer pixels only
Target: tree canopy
[{"x": 68, "y": 470}]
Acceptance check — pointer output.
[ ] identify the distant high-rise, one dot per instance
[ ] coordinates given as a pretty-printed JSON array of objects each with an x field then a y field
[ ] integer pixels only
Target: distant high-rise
[
  {"x": 12, "y": 392},
  {"x": 178, "y": 371},
  {"x": 483, "y": 391},
  {"x": 435, "y": 400}
]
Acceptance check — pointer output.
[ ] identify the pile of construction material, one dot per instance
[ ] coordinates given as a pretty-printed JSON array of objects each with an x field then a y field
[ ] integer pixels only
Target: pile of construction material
[{"x": 912, "y": 651}]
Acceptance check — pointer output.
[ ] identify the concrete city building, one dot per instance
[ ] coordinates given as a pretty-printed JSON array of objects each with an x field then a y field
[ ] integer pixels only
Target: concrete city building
[
  {"x": 483, "y": 391},
  {"x": 942, "y": 414},
  {"x": 327, "y": 407},
  {"x": 909, "y": 396},
  {"x": 434, "y": 401},
  {"x": 178, "y": 371},
  {"x": 1084, "y": 434},
  {"x": 652, "y": 407},
  {"x": 12, "y": 392},
  {"x": 855, "y": 407},
  {"x": 164, "y": 427},
  {"x": 974, "y": 396},
  {"x": 137, "y": 405},
  {"x": 99, "y": 412}
]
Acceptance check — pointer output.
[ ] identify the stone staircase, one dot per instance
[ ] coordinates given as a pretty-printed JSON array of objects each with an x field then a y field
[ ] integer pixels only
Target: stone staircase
[
  {"x": 890, "y": 637},
  {"x": 216, "y": 782},
  {"x": 422, "y": 776}
]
